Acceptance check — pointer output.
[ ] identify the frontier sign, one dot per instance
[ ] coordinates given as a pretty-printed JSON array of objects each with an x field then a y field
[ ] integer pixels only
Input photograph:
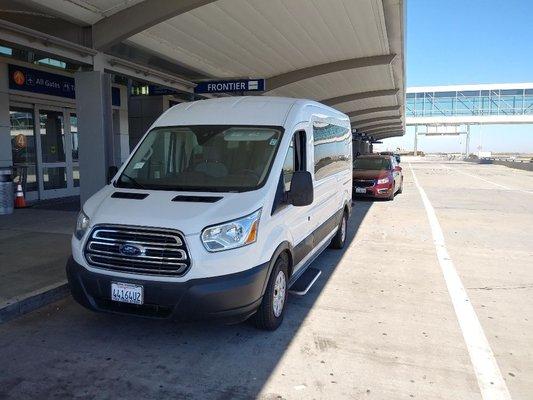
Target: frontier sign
[{"x": 238, "y": 85}]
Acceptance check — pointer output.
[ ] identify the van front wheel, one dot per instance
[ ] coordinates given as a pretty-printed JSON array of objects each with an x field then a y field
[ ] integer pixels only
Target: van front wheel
[
  {"x": 270, "y": 313},
  {"x": 340, "y": 237}
]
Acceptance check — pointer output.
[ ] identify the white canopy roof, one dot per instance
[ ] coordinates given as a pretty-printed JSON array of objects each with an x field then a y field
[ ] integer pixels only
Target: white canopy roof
[{"x": 346, "y": 53}]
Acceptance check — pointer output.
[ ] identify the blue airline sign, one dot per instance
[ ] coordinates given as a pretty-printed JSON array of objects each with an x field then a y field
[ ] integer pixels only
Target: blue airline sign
[
  {"x": 237, "y": 85},
  {"x": 37, "y": 81}
]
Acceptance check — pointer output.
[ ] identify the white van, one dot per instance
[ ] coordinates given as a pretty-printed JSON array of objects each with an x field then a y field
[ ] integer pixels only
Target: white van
[{"x": 218, "y": 211}]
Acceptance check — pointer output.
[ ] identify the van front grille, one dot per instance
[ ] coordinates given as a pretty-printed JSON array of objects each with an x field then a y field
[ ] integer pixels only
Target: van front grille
[{"x": 149, "y": 251}]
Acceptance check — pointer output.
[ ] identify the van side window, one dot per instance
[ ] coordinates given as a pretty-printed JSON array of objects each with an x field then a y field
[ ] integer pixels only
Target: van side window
[
  {"x": 288, "y": 168},
  {"x": 333, "y": 148},
  {"x": 295, "y": 159}
]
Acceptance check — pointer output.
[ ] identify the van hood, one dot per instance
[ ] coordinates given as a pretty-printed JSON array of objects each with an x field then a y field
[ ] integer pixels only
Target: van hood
[{"x": 190, "y": 214}]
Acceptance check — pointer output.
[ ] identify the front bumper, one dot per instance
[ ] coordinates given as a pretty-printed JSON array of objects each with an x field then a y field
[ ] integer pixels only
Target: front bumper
[
  {"x": 374, "y": 191},
  {"x": 232, "y": 297}
]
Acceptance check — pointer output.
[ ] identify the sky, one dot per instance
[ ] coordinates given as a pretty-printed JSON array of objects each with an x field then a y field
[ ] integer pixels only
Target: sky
[{"x": 451, "y": 42}]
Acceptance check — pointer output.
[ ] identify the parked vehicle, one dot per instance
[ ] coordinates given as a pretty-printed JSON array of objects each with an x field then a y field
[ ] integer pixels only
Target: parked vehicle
[
  {"x": 377, "y": 175},
  {"x": 220, "y": 208}
]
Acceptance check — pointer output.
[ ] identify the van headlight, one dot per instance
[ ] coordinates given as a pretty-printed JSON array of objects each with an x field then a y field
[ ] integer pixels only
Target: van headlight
[
  {"x": 232, "y": 234},
  {"x": 383, "y": 180},
  {"x": 82, "y": 223}
]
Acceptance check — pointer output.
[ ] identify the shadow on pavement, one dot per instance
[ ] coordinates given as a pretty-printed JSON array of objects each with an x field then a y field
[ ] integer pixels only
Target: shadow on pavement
[
  {"x": 62, "y": 204},
  {"x": 65, "y": 351}
]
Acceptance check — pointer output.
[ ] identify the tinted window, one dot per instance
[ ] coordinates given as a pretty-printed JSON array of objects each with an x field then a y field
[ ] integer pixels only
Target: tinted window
[
  {"x": 512, "y": 92},
  {"x": 295, "y": 159},
  {"x": 288, "y": 167},
  {"x": 333, "y": 148},
  {"x": 374, "y": 163}
]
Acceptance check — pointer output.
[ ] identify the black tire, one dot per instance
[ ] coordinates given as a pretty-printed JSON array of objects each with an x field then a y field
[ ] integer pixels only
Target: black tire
[
  {"x": 340, "y": 237},
  {"x": 265, "y": 317},
  {"x": 391, "y": 197},
  {"x": 400, "y": 190}
]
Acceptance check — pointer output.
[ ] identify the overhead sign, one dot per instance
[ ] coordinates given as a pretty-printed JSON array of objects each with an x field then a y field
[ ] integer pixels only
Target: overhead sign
[
  {"x": 443, "y": 130},
  {"x": 238, "y": 85},
  {"x": 154, "y": 90},
  {"x": 37, "y": 81}
]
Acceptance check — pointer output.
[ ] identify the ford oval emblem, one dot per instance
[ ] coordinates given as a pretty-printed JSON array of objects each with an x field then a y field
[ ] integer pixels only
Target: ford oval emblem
[{"x": 129, "y": 250}]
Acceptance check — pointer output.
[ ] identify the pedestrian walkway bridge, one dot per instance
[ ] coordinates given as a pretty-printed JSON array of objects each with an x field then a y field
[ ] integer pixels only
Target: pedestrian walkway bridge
[{"x": 470, "y": 104}]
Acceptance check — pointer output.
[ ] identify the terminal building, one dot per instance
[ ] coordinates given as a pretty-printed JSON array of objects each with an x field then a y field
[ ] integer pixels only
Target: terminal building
[{"x": 80, "y": 84}]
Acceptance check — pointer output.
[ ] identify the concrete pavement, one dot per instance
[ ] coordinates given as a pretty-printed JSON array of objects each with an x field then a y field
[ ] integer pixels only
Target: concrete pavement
[
  {"x": 34, "y": 246},
  {"x": 378, "y": 324}
]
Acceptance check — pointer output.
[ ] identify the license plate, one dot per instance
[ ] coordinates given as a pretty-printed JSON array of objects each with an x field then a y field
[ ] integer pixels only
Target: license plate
[
  {"x": 127, "y": 293},
  {"x": 360, "y": 190}
]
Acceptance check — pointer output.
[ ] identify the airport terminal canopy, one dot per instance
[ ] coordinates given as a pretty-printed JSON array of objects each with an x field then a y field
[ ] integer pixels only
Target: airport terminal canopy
[{"x": 344, "y": 53}]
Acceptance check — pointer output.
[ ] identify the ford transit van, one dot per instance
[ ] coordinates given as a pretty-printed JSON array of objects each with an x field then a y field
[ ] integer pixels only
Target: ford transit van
[{"x": 218, "y": 211}]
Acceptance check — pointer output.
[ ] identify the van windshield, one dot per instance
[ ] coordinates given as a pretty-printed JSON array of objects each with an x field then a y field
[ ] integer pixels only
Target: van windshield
[{"x": 203, "y": 158}]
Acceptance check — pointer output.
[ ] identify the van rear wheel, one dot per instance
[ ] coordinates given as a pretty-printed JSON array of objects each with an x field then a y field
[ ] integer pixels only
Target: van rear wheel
[
  {"x": 270, "y": 313},
  {"x": 340, "y": 237}
]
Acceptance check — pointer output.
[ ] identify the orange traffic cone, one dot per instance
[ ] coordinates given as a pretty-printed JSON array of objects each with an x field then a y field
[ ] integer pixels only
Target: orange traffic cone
[{"x": 19, "y": 200}]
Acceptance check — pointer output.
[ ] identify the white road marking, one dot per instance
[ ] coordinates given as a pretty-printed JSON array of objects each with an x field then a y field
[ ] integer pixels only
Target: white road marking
[
  {"x": 486, "y": 180},
  {"x": 489, "y": 378}
]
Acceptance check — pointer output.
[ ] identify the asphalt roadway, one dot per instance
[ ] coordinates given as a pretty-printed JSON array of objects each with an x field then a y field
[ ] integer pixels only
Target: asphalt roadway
[{"x": 431, "y": 299}]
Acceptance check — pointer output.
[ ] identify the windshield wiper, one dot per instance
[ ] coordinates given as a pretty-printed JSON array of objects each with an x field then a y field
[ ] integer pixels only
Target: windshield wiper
[{"x": 132, "y": 180}]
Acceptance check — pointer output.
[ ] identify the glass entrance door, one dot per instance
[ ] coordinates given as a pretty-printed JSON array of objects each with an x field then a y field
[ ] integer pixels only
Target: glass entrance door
[
  {"x": 57, "y": 149},
  {"x": 23, "y": 148},
  {"x": 73, "y": 128}
]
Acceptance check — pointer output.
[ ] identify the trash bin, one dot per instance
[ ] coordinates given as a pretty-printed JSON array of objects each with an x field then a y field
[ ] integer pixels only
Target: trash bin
[{"x": 6, "y": 192}]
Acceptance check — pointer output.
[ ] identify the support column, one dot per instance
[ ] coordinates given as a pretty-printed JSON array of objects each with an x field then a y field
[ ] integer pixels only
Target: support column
[
  {"x": 93, "y": 104},
  {"x": 415, "y": 150},
  {"x": 121, "y": 129},
  {"x": 6, "y": 159},
  {"x": 467, "y": 142},
  {"x": 356, "y": 146},
  {"x": 142, "y": 112}
]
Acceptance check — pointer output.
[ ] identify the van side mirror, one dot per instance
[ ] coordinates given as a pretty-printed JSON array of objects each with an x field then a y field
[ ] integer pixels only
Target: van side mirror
[
  {"x": 398, "y": 168},
  {"x": 111, "y": 172},
  {"x": 301, "y": 193}
]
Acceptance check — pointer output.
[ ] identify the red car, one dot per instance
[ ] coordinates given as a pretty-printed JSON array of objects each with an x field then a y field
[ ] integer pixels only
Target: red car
[{"x": 377, "y": 176}]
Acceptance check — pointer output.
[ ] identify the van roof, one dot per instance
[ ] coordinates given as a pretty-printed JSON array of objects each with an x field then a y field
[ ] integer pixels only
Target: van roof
[{"x": 244, "y": 110}]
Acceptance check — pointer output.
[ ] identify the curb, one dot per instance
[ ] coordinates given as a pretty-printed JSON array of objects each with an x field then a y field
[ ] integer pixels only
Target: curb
[{"x": 18, "y": 306}]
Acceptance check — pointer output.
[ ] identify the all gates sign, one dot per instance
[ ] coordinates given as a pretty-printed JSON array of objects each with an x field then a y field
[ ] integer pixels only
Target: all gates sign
[{"x": 37, "y": 81}]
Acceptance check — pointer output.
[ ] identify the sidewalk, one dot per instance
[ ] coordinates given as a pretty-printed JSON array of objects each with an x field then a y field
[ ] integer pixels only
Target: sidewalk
[{"x": 34, "y": 246}]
